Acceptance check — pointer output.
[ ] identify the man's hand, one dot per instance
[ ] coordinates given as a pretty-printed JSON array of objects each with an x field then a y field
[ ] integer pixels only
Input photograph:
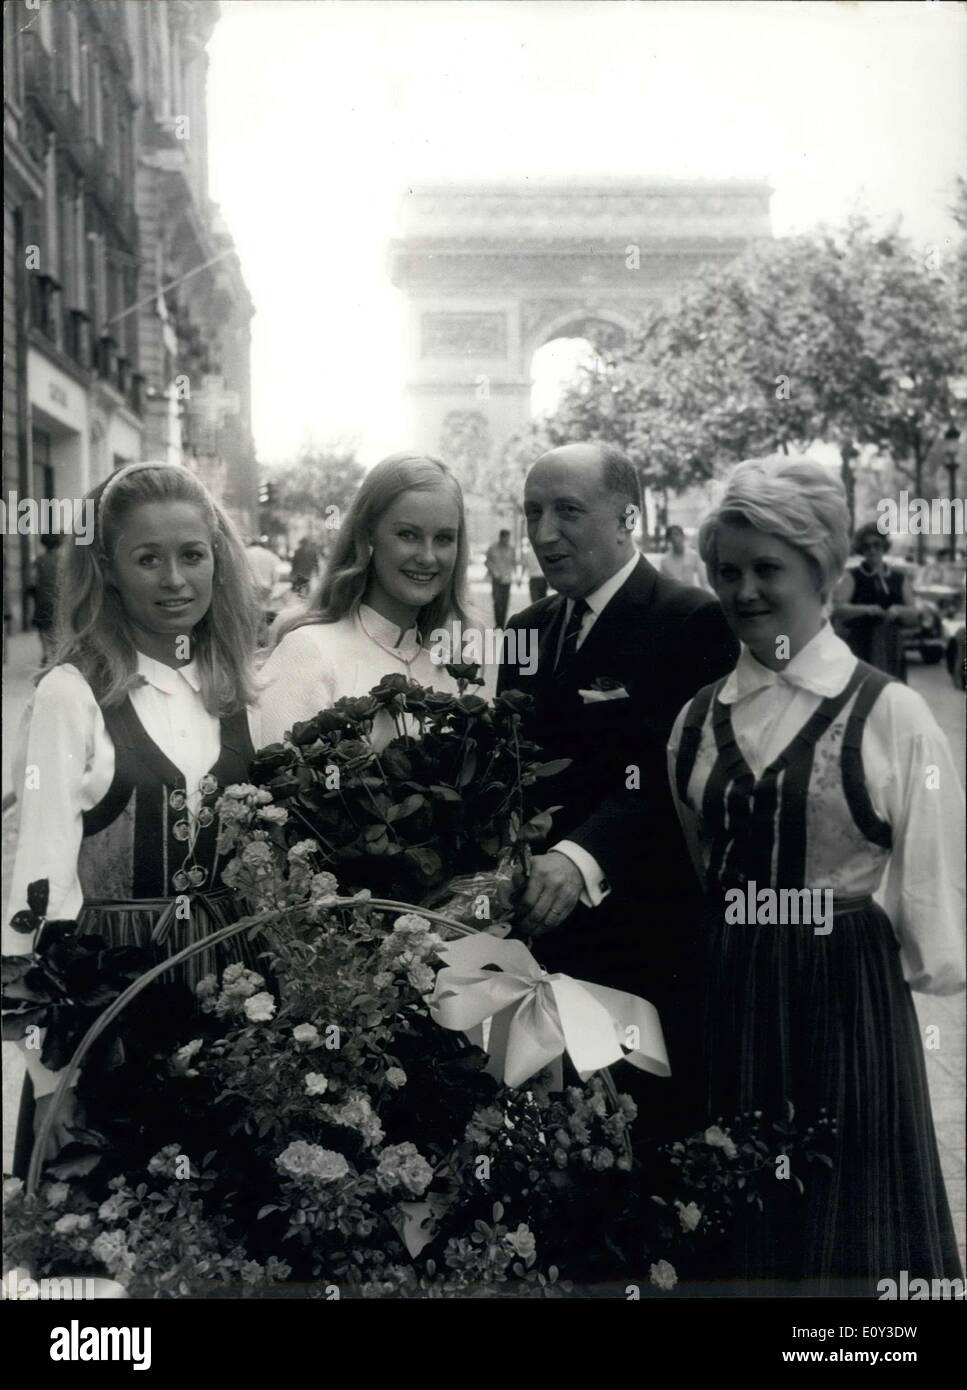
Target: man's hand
[{"x": 554, "y": 887}]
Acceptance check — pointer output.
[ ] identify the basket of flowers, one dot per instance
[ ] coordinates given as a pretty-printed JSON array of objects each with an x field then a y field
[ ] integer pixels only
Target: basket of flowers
[{"x": 381, "y": 1108}]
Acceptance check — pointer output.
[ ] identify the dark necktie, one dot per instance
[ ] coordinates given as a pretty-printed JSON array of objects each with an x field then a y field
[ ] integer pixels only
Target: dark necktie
[{"x": 569, "y": 643}]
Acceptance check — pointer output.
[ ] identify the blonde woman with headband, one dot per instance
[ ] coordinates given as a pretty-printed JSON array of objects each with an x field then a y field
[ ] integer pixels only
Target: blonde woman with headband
[
  {"x": 395, "y": 578},
  {"x": 143, "y": 716},
  {"x": 807, "y": 782}
]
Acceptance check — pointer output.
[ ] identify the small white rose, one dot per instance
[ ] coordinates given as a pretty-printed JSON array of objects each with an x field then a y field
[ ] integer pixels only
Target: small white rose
[
  {"x": 663, "y": 1275},
  {"x": 260, "y": 1008}
]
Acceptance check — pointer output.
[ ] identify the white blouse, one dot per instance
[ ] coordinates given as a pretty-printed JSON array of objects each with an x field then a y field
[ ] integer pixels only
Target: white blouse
[
  {"x": 63, "y": 765},
  {"x": 315, "y": 665},
  {"x": 913, "y": 783}
]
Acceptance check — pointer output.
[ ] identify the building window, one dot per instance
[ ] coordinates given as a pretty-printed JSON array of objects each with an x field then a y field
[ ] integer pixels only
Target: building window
[{"x": 43, "y": 472}]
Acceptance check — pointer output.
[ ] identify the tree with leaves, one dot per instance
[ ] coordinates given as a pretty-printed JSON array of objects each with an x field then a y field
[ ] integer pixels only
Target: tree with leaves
[
  {"x": 848, "y": 337},
  {"x": 319, "y": 486}
]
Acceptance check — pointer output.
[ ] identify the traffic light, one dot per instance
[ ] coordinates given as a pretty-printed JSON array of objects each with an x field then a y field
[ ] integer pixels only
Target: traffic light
[{"x": 266, "y": 494}]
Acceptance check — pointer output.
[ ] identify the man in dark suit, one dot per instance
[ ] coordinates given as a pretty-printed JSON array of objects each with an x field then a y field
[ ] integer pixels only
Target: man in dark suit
[{"x": 621, "y": 648}]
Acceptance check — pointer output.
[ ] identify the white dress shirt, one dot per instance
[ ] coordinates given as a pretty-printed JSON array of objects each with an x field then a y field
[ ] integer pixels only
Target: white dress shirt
[
  {"x": 316, "y": 665},
  {"x": 596, "y": 887},
  {"x": 912, "y": 780}
]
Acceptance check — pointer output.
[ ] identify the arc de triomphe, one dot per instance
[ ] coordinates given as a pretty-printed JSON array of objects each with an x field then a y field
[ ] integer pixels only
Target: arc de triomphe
[{"x": 490, "y": 273}]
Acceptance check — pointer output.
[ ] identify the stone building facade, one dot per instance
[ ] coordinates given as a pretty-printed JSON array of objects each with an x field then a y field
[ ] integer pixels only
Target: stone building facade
[
  {"x": 105, "y": 205},
  {"x": 491, "y": 272}
]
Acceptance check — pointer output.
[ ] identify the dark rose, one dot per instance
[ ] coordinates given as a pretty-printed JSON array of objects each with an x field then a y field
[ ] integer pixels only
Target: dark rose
[
  {"x": 472, "y": 705},
  {"x": 352, "y": 753},
  {"x": 357, "y": 709},
  {"x": 270, "y": 759},
  {"x": 414, "y": 701},
  {"x": 465, "y": 672},
  {"x": 304, "y": 732},
  {"x": 396, "y": 762},
  {"x": 329, "y": 722},
  {"x": 514, "y": 702},
  {"x": 389, "y": 688},
  {"x": 319, "y": 757},
  {"x": 438, "y": 702}
]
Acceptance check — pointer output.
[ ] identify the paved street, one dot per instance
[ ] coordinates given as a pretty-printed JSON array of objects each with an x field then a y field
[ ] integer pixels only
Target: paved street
[{"x": 946, "y": 1062}]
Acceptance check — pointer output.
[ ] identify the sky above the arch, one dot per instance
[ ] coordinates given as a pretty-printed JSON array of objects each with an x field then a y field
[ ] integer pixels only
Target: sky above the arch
[{"x": 321, "y": 112}]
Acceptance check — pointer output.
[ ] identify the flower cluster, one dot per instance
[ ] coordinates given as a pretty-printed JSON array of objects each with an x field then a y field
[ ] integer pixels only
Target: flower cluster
[
  {"x": 356, "y": 1112},
  {"x": 407, "y": 951},
  {"x": 403, "y": 1166},
  {"x": 241, "y": 988},
  {"x": 301, "y": 1160}
]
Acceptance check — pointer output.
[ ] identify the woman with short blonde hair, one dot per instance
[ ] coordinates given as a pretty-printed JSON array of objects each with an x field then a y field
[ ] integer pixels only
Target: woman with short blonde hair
[
  {"x": 797, "y": 500},
  {"x": 803, "y": 773}
]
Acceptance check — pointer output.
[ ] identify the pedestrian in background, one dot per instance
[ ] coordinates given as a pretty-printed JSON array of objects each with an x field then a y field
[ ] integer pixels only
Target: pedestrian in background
[
  {"x": 680, "y": 561},
  {"x": 535, "y": 575},
  {"x": 501, "y": 565},
  {"x": 873, "y": 603},
  {"x": 45, "y": 594},
  {"x": 266, "y": 570},
  {"x": 305, "y": 562}
]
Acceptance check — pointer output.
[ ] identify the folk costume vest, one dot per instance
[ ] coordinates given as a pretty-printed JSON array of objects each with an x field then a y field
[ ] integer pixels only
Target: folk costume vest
[
  {"x": 808, "y": 820},
  {"x": 138, "y": 840}
]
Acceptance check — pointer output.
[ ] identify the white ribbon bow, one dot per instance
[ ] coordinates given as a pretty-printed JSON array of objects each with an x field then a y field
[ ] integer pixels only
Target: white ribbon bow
[{"x": 536, "y": 1017}]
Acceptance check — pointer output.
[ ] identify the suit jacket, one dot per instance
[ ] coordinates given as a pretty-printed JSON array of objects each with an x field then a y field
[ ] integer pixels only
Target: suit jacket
[{"x": 662, "y": 641}]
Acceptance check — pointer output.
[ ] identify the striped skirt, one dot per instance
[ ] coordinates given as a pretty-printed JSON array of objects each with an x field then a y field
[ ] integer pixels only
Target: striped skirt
[{"x": 828, "y": 1023}]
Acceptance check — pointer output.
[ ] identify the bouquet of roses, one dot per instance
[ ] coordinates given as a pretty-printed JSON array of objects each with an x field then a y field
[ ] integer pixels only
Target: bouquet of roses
[{"x": 434, "y": 816}]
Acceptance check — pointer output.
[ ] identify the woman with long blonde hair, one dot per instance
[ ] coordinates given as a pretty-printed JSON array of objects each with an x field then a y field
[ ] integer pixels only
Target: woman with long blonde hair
[
  {"x": 395, "y": 580},
  {"x": 141, "y": 719}
]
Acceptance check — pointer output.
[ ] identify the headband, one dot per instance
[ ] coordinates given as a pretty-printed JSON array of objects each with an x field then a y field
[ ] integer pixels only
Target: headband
[{"x": 115, "y": 478}]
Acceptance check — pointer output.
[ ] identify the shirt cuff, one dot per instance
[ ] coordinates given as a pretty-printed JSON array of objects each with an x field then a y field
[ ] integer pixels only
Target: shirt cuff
[{"x": 596, "y": 886}]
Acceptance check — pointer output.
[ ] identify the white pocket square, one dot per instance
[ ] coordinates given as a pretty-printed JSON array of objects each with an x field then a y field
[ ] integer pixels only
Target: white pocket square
[{"x": 593, "y": 697}]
